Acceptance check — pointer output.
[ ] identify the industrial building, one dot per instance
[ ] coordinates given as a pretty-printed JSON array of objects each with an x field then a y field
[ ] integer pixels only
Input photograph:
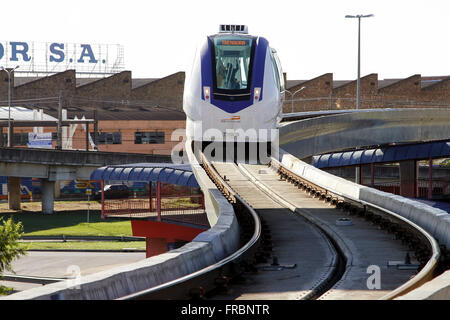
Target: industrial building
[{"x": 140, "y": 115}]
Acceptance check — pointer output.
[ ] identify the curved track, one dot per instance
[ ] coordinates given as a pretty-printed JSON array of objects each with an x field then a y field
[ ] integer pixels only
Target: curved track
[
  {"x": 287, "y": 255},
  {"x": 363, "y": 244},
  {"x": 305, "y": 259}
]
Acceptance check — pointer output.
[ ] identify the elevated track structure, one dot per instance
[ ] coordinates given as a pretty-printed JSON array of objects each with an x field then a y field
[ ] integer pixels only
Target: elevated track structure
[{"x": 239, "y": 240}]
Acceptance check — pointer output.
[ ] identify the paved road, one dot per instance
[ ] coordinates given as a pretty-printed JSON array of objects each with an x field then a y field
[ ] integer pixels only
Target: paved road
[{"x": 65, "y": 264}]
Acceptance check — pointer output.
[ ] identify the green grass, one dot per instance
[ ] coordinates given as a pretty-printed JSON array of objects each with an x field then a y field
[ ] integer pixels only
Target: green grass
[
  {"x": 74, "y": 224},
  {"x": 85, "y": 245},
  {"x": 4, "y": 291}
]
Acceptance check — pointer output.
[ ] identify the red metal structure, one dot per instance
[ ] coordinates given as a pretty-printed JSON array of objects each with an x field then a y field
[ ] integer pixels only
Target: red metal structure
[{"x": 166, "y": 212}]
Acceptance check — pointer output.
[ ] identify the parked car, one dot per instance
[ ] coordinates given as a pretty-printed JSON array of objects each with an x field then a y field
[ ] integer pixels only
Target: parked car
[{"x": 113, "y": 191}]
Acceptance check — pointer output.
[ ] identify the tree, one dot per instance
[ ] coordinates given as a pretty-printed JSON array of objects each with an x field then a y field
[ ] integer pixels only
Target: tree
[{"x": 10, "y": 249}]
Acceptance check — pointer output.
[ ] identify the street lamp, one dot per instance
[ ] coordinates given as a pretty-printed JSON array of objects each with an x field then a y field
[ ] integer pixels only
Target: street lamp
[
  {"x": 286, "y": 90},
  {"x": 9, "y": 101},
  {"x": 292, "y": 100},
  {"x": 359, "y": 16}
]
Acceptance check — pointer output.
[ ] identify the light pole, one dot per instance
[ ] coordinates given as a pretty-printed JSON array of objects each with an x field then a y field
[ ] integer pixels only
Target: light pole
[
  {"x": 286, "y": 90},
  {"x": 293, "y": 95},
  {"x": 9, "y": 101},
  {"x": 358, "y": 88}
]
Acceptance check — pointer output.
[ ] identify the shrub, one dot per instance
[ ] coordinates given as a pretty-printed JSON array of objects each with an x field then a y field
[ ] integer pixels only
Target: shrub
[{"x": 10, "y": 233}]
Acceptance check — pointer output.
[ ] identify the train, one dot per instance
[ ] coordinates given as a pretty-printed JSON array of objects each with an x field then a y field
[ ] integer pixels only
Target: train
[{"x": 235, "y": 88}]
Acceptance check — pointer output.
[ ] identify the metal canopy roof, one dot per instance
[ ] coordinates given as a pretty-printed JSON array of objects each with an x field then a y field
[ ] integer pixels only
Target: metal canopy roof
[
  {"x": 420, "y": 151},
  {"x": 179, "y": 174}
]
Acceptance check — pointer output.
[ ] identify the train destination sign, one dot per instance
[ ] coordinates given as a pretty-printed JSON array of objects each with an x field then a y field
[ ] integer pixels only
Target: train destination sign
[{"x": 53, "y": 57}]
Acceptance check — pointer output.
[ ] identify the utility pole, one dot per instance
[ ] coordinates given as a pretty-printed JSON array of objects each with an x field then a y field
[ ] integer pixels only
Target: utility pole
[
  {"x": 358, "y": 81},
  {"x": 59, "y": 133},
  {"x": 9, "y": 103}
]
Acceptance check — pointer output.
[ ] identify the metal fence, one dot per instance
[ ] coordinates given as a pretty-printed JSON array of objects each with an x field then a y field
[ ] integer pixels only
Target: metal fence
[
  {"x": 341, "y": 103},
  {"x": 174, "y": 203},
  {"x": 439, "y": 188}
]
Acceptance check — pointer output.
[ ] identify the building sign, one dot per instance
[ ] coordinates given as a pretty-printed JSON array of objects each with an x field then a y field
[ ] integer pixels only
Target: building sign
[
  {"x": 40, "y": 140},
  {"x": 53, "y": 57}
]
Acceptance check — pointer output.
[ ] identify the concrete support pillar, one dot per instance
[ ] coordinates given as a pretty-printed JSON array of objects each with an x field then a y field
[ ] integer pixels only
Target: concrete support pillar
[
  {"x": 372, "y": 175},
  {"x": 48, "y": 196},
  {"x": 2, "y": 138},
  {"x": 408, "y": 178},
  {"x": 430, "y": 179},
  {"x": 155, "y": 246},
  {"x": 102, "y": 187},
  {"x": 158, "y": 200},
  {"x": 358, "y": 174},
  {"x": 57, "y": 189},
  {"x": 150, "y": 195},
  {"x": 14, "y": 193}
]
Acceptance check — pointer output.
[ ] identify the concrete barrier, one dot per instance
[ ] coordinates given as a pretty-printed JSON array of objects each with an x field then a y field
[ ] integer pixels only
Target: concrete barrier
[
  {"x": 209, "y": 247},
  {"x": 436, "y": 289},
  {"x": 120, "y": 281},
  {"x": 431, "y": 219},
  {"x": 320, "y": 177},
  {"x": 434, "y": 221},
  {"x": 443, "y": 231},
  {"x": 305, "y": 138}
]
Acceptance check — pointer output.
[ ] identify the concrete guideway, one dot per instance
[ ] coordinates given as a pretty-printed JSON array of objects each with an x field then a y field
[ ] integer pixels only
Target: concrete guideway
[
  {"x": 305, "y": 138},
  {"x": 308, "y": 137},
  {"x": 218, "y": 245},
  {"x": 364, "y": 242},
  {"x": 294, "y": 240},
  {"x": 54, "y": 165}
]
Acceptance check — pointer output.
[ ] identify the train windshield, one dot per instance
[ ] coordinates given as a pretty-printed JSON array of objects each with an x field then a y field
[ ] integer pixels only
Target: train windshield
[{"x": 233, "y": 60}]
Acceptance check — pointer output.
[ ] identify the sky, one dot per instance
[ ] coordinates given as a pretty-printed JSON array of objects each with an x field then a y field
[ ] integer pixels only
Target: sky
[{"x": 404, "y": 37}]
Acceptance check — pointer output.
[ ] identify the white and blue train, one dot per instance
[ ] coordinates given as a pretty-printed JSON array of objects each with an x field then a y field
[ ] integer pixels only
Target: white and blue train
[{"x": 236, "y": 85}]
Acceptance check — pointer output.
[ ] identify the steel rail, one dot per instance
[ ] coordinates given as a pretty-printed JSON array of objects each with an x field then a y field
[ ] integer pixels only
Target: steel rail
[
  {"x": 425, "y": 274},
  {"x": 181, "y": 288},
  {"x": 339, "y": 261}
]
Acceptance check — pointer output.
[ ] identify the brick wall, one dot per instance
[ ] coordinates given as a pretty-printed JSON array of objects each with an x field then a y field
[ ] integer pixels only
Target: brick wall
[
  {"x": 4, "y": 86},
  {"x": 321, "y": 93},
  {"x": 414, "y": 91},
  {"x": 115, "y": 87},
  {"x": 167, "y": 91},
  {"x": 47, "y": 87},
  {"x": 312, "y": 97}
]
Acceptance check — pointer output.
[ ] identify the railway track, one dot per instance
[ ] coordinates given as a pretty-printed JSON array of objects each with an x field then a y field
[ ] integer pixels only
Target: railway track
[{"x": 265, "y": 264}]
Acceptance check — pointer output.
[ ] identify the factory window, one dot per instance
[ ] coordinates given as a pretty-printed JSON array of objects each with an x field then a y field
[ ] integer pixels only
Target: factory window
[
  {"x": 149, "y": 137},
  {"x": 110, "y": 138},
  {"x": 20, "y": 139}
]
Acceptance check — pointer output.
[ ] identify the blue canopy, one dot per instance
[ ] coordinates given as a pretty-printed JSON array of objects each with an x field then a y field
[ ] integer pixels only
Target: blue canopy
[
  {"x": 397, "y": 153},
  {"x": 179, "y": 174}
]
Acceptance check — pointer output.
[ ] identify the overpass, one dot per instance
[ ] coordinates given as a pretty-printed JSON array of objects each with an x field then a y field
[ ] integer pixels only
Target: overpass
[
  {"x": 366, "y": 128},
  {"x": 54, "y": 165},
  {"x": 302, "y": 139}
]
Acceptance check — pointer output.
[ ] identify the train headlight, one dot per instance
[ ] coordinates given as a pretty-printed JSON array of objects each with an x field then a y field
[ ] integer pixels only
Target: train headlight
[
  {"x": 206, "y": 92},
  {"x": 257, "y": 93}
]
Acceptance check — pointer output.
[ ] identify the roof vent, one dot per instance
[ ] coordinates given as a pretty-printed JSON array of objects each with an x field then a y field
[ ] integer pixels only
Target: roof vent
[{"x": 233, "y": 28}]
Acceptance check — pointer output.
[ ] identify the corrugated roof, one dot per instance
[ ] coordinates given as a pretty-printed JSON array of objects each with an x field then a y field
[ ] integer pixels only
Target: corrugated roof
[
  {"x": 136, "y": 83},
  {"x": 179, "y": 174},
  {"x": 21, "y": 113},
  {"x": 130, "y": 114},
  {"x": 420, "y": 151}
]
